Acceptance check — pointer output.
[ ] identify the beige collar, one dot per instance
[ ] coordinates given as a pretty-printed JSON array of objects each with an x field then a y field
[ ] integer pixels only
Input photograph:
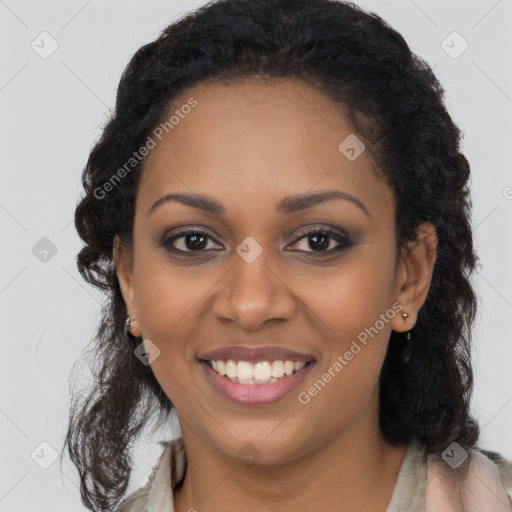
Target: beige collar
[{"x": 420, "y": 487}]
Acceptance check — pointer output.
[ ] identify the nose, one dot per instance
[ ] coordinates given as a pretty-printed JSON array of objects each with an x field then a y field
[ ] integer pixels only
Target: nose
[{"x": 254, "y": 294}]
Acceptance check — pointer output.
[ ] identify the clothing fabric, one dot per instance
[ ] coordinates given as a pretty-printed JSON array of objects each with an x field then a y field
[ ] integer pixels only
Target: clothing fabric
[{"x": 421, "y": 485}]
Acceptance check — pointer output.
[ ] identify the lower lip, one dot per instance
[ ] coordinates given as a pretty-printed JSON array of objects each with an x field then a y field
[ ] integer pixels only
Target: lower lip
[{"x": 255, "y": 394}]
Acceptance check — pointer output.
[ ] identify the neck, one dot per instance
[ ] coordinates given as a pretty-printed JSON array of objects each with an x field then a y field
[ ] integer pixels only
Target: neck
[{"x": 354, "y": 470}]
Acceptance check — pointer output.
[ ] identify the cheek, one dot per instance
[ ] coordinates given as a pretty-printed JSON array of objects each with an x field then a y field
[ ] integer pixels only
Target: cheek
[
  {"x": 351, "y": 296},
  {"x": 168, "y": 301},
  {"x": 167, "y": 295},
  {"x": 352, "y": 311}
]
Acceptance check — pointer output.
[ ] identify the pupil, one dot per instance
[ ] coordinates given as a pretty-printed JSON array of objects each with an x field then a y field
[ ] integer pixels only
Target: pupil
[
  {"x": 322, "y": 245},
  {"x": 195, "y": 244}
]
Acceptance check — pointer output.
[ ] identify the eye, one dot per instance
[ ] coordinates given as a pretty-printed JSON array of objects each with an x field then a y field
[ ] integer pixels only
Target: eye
[
  {"x": 193, "y": 241},
  {"x": 320, "y": 239}
]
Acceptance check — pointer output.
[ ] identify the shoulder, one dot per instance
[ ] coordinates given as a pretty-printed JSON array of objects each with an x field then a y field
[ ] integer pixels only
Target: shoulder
[
  {"x": 504, "y": 468},
  {"x": 484, "y": 482},
  {"x": 170, "y": 463}
]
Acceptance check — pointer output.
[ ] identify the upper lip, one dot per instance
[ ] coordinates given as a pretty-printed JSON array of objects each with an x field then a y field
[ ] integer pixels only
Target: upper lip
[{"x": 267, "y": 353}]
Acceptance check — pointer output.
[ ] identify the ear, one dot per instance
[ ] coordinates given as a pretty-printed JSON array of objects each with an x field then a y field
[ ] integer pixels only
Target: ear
[
  {"x": 414, "y": 276},
  {"x": 123, "y": 262}
]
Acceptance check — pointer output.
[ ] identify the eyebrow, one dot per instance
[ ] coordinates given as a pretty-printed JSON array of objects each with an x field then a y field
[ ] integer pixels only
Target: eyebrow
[{"x": 288, "y": 204}]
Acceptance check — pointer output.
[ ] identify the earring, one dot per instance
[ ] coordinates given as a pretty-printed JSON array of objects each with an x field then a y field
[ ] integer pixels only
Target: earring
[
  {"x": 133, "y": 326},
  {"x": 404, "y": 316}
]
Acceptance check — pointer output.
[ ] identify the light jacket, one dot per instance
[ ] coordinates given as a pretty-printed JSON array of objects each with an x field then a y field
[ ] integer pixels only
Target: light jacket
[{"x": 421, "y": 485}]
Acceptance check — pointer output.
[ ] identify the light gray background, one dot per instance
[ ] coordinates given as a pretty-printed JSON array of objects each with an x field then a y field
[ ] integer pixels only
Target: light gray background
[{"x": 53, "y": 109}]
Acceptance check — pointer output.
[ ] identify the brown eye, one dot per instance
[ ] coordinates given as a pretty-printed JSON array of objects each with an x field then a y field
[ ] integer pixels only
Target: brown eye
[
  {"x": 320, "y": 241},
  {"x": 193, "y": 241}
]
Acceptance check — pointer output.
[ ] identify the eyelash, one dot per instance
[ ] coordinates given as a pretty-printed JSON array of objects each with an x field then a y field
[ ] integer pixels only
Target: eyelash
[{"x": 344, "y": 242}]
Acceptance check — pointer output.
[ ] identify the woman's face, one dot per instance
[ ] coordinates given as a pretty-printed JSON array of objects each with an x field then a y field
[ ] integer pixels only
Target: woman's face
[{"x": 253, "y": 277}]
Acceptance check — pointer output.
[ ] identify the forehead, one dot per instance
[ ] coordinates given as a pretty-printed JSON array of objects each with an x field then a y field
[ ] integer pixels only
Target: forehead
[{"x": 256, "y": 139}]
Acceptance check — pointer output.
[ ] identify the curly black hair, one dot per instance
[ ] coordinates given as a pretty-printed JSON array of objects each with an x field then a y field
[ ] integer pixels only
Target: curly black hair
[{"x": 396, "y": 105}]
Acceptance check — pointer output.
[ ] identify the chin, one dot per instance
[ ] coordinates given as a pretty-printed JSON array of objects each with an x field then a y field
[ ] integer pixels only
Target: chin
[{"x": 256, "y": 450}]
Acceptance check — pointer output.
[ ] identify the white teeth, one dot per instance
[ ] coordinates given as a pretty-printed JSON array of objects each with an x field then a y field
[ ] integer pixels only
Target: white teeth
[
  {"x": 245, "y": 370},
  {"x": 221, "y": 367},
  {"x": 261, "y": 372},
  {"x": 277, "y": 369},
  {"x": 231, "y": 370}
]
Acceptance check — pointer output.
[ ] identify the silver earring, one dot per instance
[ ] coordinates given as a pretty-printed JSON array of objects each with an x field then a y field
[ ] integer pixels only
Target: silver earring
[
  {"x": 131, "y": 328},
  {"x": 404, "y": 316}
]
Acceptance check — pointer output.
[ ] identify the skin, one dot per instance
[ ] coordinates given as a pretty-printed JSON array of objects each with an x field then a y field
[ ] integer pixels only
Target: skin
[{"x": 248, "y": 145}]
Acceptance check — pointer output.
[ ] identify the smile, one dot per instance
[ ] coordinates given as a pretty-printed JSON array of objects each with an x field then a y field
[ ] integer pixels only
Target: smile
[
  {"x": 255, "y": 383},
  {"x": 260, "y": 372}
]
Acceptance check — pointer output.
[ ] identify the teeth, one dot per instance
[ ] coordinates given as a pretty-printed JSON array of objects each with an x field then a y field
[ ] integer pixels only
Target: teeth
[
  {"x": 245, "y": 370},
  {"x": 288, "y": 367},
  {"x": 277, "y": 369},
  {"x": 261, "y": 372},
  {"x": 221, "y": 367},
  {"x": 231, "y": 370}
]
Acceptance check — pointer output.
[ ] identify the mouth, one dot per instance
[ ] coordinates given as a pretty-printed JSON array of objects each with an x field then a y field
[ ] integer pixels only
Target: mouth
[
  {"x": 256, "y": 373},
  {"x": 255, "y": 382}
]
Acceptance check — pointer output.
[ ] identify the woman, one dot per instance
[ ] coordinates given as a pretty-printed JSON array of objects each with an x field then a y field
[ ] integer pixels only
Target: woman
[{"x": 279, "y": 211}]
